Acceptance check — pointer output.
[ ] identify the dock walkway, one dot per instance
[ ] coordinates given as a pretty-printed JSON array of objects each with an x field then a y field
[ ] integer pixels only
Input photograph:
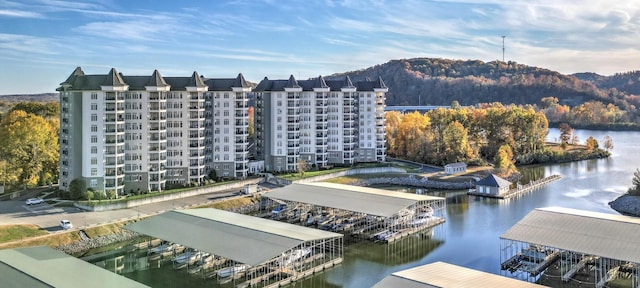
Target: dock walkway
[{"x": 521, "y": 189}]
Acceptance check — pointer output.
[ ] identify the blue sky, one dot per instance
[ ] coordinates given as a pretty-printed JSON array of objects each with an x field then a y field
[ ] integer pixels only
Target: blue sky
[{"x": 42, "y": 41}]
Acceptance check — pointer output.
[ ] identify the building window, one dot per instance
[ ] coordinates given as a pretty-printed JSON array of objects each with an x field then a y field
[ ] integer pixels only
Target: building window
[
  {"x": 94, "y": 139},
  {"x": 94, "y": 128},
  {"x": 94, "y": 171},
  {"x": 94, "y": 117},
  {"x": 94, "y": 106},
  {"x": 93, "y": 183},
  {"x": 94, "y": 161},
  {"x": 94, "y": 96},
  {"x": 94, "y": 149}
]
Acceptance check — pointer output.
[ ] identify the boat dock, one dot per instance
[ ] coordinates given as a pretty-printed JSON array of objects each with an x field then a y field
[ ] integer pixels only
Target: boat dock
[
  {"x": 531, "y": 261},
  {"x": 521, "y": 189},
  {"x": 583, "y": 262}
]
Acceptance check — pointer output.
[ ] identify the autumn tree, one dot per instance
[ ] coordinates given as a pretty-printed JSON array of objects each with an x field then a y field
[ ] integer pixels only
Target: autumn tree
[
  {"x": 503, "y": 162},
  {"x": 392, "y": 123},
  {"x": 45, "y": 110},
  {"x": 607, "y": 142},
  {"x": 565, "y": 132},
  {"x": 29, "y": 145},
  {"x": 591, "y": 143},
  {"x": 635, "y": 184},
  {"x": 302, "y": 167},
  {"x": 411, "y": 130},
  {"x": 251, "y": 117},
  {"x": 456, "y": 145}
]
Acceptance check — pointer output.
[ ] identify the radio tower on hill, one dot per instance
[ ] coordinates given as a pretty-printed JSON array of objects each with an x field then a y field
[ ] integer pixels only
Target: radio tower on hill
[{"x": 503, "y": 48}]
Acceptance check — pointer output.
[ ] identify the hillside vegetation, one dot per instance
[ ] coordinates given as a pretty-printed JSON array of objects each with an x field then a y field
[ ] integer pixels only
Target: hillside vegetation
[{"x": 434, "y": 81}]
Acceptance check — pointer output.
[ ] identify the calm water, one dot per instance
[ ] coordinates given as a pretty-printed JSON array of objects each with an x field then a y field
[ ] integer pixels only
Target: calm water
[{"x": 470, "y": 235}]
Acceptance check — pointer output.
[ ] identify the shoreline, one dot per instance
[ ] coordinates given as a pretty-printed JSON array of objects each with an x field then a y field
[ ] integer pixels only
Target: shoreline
[{"x": 626, "y": 205}]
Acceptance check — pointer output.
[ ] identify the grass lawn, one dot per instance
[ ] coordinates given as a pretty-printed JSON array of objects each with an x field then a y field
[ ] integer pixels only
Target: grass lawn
[
  {"x": 10, "y": 233},
  {"x": 231, "y": 203}
]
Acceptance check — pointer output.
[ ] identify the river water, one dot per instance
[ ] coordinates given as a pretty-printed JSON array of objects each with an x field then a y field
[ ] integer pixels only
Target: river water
[{"x": 470, "y": 237}]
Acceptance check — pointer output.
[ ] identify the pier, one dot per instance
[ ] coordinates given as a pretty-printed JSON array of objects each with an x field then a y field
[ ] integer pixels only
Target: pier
[{"x": 521, "y": 189}]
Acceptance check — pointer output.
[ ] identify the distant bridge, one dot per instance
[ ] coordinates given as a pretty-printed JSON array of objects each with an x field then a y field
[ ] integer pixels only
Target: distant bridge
[{"x": 410, "y": 109}]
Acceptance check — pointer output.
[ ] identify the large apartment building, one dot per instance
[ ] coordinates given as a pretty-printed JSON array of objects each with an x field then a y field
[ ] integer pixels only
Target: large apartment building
[
  {"x": 126, "y": 134},
  {"x": 322, "y": 122}
]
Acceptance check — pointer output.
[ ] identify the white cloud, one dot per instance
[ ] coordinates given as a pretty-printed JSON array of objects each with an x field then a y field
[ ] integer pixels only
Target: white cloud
[
  {"x": 19, "y": 13},
  {"x": 12, "y": 43}
]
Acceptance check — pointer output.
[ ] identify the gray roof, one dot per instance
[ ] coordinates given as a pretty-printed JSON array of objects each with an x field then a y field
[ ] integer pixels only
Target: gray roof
[
  {"x": 156, "y": 80},
  {"x": 605, "y": 235},
  {"x": 45, "y": 267},
  {"x": 444, "y": 275},
  {"x": 457, "y": 164},
  {"x": 242, "y": 238},
  {"x": 493, "y": 181},
  {"x": 78, "y": 80},
  {"x": 307, "y": 85},
  {"x": 351, "y": 198}
]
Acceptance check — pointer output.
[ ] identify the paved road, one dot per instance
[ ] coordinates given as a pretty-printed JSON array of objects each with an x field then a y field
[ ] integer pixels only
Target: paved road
[{"x": 48, "y": 217}]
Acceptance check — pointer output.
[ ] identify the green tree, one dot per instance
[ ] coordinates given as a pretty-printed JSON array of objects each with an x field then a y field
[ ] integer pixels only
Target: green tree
[
  {"x": 89, "y": 195},
  {"x": 77, "y": 189},
  {"x": 45, "y": 110},
  {"x": 29, "y": 145}
]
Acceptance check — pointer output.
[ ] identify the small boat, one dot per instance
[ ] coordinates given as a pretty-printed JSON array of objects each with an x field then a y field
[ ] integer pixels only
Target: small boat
[
  {"x": 227, "y": 272},
  {"x": 165, "y": 247},
  {"x": 296, "y": 255}
]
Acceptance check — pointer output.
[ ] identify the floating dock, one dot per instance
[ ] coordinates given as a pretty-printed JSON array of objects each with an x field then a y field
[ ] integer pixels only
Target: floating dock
[{"x": 521, "y": 189}]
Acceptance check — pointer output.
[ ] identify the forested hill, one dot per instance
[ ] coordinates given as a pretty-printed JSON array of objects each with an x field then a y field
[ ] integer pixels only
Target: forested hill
[
  {"x": 434, "y": 81},
  {"x": 627, "y": 82},
  {"x": 42, "y": 97}
]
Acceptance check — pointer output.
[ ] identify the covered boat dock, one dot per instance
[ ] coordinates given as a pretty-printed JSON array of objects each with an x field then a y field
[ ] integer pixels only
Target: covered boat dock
[
  {"x": 445, "y": 275},
  {"x": 244, "y": 250},
  {"x": 42, "y": 266},
  {"x": 361, "y": 212},
  {"x": 573, "y": 245}
]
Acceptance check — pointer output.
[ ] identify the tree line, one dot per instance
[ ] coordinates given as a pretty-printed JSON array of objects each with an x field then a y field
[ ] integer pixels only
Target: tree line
[
  {"x": 466, "y": 134},
  {"x": 495, "y": 133}
]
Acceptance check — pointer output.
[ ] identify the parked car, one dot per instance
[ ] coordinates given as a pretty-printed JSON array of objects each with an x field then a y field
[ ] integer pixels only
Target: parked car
[
  {"x": 33, "y": 201},
  {"x": 66, "y": 224}
]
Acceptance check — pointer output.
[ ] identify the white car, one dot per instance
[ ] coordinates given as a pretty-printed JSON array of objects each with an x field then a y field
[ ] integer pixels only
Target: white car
[
  {"x": 33, "y": 201},
  {"x": 66, "y": 224}
]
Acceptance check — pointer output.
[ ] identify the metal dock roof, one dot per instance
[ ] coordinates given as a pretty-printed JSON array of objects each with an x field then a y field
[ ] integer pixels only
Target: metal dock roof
[
  {"x": 599, "y": 234},
  {"x": 242, "y": 238},
  {"x": 46, "y": 267},
  {"x": 445, "y": 275},
  {"x": 366, "y": 200}
]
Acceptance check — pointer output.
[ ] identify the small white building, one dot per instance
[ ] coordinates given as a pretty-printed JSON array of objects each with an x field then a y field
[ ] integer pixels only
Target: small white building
[
  {"x": 454, "y": 168},
  {"x": 256, "y": 167},
  {"x": 492, "y": 185}
]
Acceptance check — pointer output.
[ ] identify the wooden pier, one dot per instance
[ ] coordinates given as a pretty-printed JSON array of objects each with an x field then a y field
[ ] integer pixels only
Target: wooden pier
[{"x": 521, "y": 189}]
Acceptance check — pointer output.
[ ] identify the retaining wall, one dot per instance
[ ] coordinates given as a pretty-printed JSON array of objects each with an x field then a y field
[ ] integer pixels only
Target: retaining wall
[{"x": 166, "y": 197}]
